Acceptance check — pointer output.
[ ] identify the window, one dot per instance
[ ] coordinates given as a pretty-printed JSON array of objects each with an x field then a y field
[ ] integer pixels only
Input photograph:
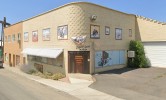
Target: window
[
  {"x": 39, "y": 59},
  {"x": 9, "y": 38},
  {"x": 50, "y": 61},
  {"x": 130, "y": 32},
  {"x": 118, "y": 34},
  {"x": 19, "y": 36},
  {"x": 46, "y": 34},
  {"x": 17, "y": 59},
  {"x": 13, "y": 37},
  {"x": 44, "y": 60},
  {"x": 26, "y": 37},
  {"x": 5, "y": 38}
]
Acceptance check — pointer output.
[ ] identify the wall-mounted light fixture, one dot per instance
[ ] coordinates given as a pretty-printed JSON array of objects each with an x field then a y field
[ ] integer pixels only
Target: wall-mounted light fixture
[{"x": 93, "y": 17}]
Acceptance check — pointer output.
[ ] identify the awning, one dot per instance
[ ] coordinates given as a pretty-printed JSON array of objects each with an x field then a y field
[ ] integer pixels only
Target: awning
[{"x": 43, "y": 52}]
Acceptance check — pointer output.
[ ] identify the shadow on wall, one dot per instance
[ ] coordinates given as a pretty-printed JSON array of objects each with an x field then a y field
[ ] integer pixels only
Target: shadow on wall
[
  {"x": 137, "y": 31},
  {"x": 148, "y": 62},
  {"x": 118, "y": 71}
]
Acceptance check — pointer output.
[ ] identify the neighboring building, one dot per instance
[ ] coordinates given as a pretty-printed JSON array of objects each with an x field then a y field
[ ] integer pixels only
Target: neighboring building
[
  {"x": 13, "y": 45},
  {"x": 78, "y": 37},
  {"x": 153, "y": 35}
]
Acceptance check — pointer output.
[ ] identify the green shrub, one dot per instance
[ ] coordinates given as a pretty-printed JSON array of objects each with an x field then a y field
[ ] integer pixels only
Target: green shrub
[
  {"x": 139, "y": 61},
  {"x": 47, "y": 75},
  {"x": 32, "y": 71},
  {"x": 57, "y": 76}
]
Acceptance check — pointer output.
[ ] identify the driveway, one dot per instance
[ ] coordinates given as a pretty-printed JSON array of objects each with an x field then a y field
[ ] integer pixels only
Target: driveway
[{"x": 133, "y": 84}]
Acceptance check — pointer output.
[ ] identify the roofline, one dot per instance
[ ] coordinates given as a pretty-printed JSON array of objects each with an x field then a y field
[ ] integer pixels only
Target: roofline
[
  {"x": 13, "y": 24},
  {"x": 153, "y": 41},
  {"x": 79, "y": 2}
]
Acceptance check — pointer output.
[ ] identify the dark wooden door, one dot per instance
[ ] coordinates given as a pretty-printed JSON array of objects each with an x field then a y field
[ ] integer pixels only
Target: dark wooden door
[
  {"x": 10, "y": 63},
  {"x": 13, "y": 60},
  {"x": 79, "y": 62}
]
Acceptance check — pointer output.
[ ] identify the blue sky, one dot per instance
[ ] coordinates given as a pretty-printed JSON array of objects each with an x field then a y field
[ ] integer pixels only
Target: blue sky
[{"x": 17, "y": 10}]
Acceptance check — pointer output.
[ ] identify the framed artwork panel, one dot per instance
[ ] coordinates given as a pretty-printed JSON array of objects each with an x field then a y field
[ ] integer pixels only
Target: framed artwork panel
[
  {"x": 118, "y": 34},
  {"x": 63, "y": 32},
  {"x": 130, "y": 32},
  {"x": 35, "y": 36},
  {"x": 46, "y": 34},
  {"x": 26, "y": 37},
  {"x": 107, "y": 30},
  {"x": 95, "y": 31}
]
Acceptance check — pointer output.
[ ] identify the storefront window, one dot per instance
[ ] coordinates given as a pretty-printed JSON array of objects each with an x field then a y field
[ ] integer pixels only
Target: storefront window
[
  {"x": 49, "y": 61},
  {"x": 44, "y": 60},
  {"x": 39, "y": 59}
]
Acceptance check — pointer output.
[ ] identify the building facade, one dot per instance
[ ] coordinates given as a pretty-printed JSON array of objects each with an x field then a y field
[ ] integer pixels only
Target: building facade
[
  {"x": 13, "y": 45},
  {"x": 78, "y": 37}
]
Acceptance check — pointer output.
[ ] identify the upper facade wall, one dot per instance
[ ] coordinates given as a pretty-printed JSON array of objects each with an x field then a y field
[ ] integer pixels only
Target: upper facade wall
[
  {"x": 150, "y": 30},
  {"x": 77, "y": 17},
  {"x": 110, "y": 18},
  {"x": 13, "y": 46}
]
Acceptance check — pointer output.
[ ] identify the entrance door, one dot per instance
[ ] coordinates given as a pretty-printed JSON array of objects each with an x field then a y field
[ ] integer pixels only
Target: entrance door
[
  {"x": 10, "y": 63},
  {"x": 79, "y": 62},
  {"x": 13, "y": 60}
]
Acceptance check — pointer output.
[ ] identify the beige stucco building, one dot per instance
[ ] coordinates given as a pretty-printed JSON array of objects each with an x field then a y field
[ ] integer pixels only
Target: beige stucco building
[
  {"x": 77, "y": 17},
  {"x": 82, "y": 37}
]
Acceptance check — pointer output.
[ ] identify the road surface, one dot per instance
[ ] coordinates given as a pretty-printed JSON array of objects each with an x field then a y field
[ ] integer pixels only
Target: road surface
[{"x": 15, "y": 87}]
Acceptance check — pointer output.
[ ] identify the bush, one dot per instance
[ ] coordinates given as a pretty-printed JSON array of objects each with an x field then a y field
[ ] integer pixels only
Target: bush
[
  {"x": 57, "y": 76},
  {"x": 47, "y": 75},
  {"x": 32, "y": 71},
  {"x": 139, "y": 61}
]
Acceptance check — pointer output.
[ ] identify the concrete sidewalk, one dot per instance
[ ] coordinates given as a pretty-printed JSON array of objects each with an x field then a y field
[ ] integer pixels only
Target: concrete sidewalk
[{"x": 78, "y": 87}]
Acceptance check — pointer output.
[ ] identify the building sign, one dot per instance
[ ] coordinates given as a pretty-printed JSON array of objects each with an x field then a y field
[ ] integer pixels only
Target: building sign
[
  {"x": 79, "y": 40},
  {"x": 83, "y": 47}
]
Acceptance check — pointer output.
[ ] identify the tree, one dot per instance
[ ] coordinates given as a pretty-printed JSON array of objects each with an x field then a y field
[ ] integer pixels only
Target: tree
[{"x": 139, "y": 61}]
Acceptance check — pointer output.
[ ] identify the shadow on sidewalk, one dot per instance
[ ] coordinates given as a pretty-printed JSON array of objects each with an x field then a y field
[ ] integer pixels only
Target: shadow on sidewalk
[{"x": 118, "y": 71}]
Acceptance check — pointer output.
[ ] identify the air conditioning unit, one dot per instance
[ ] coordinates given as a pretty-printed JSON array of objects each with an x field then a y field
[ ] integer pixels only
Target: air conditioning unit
[{"x": 131, "y": 54}]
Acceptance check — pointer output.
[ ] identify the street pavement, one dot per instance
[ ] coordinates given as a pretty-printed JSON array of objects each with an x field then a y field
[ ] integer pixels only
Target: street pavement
[
  {"x": 133, "y": 84},
  {"x": 16, "y": 87},
  {"x": 77, "y": 87}
]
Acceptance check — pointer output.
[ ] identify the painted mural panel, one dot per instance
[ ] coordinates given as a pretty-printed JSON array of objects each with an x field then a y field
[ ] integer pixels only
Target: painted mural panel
[
  {"x": 98, "y": 59},
  {"x": 109, "y": 58},
  {"x": 122, "y": 57},
  {"x": 115, "y": 58}
]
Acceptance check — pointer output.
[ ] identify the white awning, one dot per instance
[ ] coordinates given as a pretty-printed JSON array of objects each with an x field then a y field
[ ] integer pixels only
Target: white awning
[{"x": 43, "y": 52}]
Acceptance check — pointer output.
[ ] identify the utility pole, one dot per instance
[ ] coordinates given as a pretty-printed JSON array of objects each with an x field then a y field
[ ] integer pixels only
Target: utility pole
[{"x": 4, "y": 24}]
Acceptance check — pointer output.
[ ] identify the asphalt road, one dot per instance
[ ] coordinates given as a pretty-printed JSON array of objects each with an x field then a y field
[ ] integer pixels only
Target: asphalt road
[
  {"x": 133, "y": 84},
  {"x": 15, "y": 87}
]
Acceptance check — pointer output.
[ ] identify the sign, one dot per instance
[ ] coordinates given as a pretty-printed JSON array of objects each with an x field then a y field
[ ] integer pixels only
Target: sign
[
  {"x": 83, "y": 48},
  {"x": 79, "y": 40}
]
